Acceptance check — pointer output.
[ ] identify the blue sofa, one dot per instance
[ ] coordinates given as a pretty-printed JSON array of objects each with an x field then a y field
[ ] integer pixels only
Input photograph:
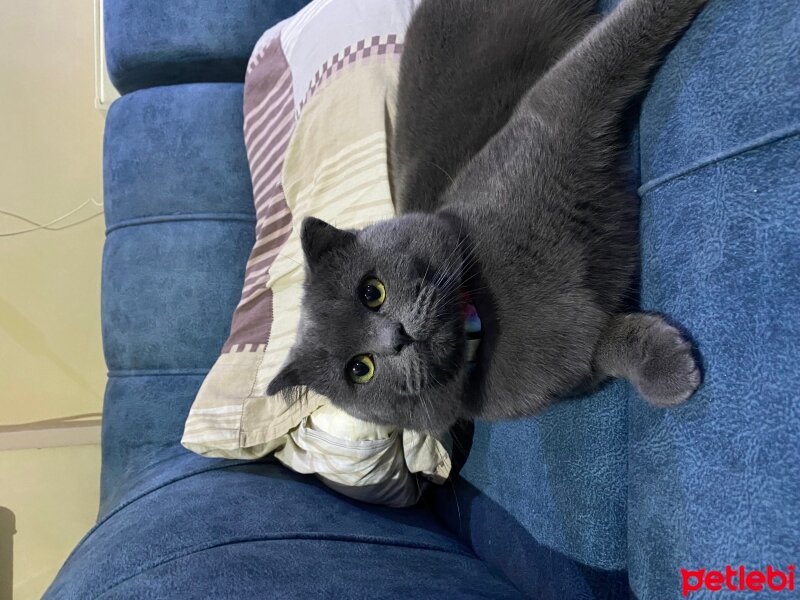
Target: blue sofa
[{"x": 601, "y": 497}]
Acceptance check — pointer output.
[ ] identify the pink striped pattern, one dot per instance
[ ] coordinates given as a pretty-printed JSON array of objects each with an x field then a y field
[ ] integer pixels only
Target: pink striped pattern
[
  {"x": 270, "y": 116},
  {"x": 269, "y": 120},
  {"x": 248, "y": 348}
]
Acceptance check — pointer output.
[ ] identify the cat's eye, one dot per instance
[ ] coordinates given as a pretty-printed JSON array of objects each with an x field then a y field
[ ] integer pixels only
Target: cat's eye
[
  {"x": 372, "y": 293},
  {"x": 361, "y": 368}
]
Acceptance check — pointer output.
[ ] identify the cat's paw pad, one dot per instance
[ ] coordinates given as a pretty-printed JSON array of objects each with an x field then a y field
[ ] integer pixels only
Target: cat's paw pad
[{"x": 668, "y": 374}]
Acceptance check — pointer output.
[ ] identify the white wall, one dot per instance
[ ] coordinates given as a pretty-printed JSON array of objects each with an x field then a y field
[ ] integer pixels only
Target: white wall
[
  {"x": 50, "y": 162},
  {"x": 51, "y": 363}
]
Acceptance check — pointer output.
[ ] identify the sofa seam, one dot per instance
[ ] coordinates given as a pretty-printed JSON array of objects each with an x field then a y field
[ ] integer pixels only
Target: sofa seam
[
  {"x": 753, "y": 144},
  {"x": 125, "y": 92},
  {"x": 381, "y": 541},
  {"x": 237, "y": 217},
  {"x": 136, "y": 498}
]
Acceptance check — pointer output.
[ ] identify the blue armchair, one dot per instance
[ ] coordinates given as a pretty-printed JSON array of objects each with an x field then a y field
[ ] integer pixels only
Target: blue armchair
[{"x": 602, "y": 497}]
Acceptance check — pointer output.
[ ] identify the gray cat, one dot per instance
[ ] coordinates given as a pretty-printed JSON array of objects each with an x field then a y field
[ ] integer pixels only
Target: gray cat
[{"x": 511, "y": 183}]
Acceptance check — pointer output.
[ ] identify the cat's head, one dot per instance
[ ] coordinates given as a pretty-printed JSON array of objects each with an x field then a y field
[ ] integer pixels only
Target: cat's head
[{"x": 382, "y": 322}]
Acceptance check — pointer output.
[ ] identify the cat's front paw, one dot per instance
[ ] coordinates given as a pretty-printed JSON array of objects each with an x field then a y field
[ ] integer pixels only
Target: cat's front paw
[{"x": 668, "y": 374}]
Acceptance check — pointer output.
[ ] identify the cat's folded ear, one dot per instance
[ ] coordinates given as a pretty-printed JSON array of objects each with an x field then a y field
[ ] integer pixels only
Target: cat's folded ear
[
  {"x": 319, "y": 238},
  {"x": 287, "y": 379}
]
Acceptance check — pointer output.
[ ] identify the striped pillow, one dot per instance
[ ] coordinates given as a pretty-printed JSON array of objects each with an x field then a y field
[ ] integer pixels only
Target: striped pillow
[{"x": 315, "y": 131}]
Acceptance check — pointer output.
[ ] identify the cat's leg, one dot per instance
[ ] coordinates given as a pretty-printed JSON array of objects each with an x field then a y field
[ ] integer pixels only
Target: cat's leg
[
  {"x": 651, "y": 354},
  {"x": 586, "y": 91}
]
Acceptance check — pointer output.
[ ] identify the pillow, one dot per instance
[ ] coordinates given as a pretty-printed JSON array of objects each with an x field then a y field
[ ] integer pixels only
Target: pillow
[{"x": 317, "y": 97}]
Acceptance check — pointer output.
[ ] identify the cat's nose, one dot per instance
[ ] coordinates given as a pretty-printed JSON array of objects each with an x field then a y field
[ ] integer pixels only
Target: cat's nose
[
  {"x": 394, "y": 337},
  {"x": 402, "y": 339}
]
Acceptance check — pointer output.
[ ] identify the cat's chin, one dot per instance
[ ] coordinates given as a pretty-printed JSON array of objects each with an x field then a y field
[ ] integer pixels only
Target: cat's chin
[
  {"x": 432, "y": 410},
  {"x": 447, "y": 351}
]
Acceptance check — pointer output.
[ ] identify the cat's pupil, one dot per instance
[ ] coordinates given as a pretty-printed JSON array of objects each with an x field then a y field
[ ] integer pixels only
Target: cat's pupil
[
  {"x": 371, "y": 293},
  {"x": 359, "y": 369}
]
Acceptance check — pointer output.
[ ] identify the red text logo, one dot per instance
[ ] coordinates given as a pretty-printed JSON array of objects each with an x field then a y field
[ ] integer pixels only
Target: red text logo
[{"x": 738, "y": 580}]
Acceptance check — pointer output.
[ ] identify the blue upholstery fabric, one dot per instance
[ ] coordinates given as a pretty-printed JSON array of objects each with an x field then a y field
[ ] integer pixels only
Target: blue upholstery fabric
[
  {"x": 153, "y": 42},
  {"x": 716, "y": 481},
  {"x": 180, "y": 218},
  {"x": 542, "y": 500},
  {"x": 177, "y": 241},
  {"x": 151, "y": 132},
  {"x": 601, "y": 497},
  {"x": 356, "y": 570},
  {"x": 228, "y": 531},
  {"x": 143, "y": 420}
]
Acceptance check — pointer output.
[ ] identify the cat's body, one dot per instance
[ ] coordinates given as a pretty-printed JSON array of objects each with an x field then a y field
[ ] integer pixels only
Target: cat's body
[
  {"x": 466, "y": 64},
  {"x": 536, "y": 227}
]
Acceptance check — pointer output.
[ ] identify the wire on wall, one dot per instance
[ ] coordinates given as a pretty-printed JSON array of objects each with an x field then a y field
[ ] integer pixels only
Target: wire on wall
[{"x": 50, "y": 226}]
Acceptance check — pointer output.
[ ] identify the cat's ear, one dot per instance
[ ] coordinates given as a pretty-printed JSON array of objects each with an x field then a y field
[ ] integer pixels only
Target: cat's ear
[
  {"x": 288, "y": 377},
  {"x": 318, "y": 238}
]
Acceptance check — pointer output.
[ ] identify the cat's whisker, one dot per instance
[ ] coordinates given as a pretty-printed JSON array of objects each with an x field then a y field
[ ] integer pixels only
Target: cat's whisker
[
  {"x": 428, "y": 268},
  {"x": 424, "y": 405},
  {"x": 468, "y": 261},
  {"x": 457, "y": 444},
  {"x": 450, "y": 177},
  {"x": 445, "y": 267}
]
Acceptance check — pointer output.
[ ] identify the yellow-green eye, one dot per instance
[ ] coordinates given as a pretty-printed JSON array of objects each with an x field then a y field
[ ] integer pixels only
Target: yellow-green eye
[
  {"x": 372, "y": 293},
  {"x": 361, "y": 369}
]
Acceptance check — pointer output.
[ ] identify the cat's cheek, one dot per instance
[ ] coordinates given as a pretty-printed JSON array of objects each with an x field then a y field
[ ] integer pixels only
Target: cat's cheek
[{"x": 447, "y": 345}]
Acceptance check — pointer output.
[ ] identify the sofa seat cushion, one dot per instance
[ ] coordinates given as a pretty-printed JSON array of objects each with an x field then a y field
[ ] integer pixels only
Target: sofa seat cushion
[
  {"x": 152, "y": 42},
  {"x": 180, "y": 223},
  {"x": 542, "y": 500},
  {"x": 200, "y": 525},
  {"x": 715, "y": 482},
  {"x": 176, "y": 151},
  {"x": 303, "y": 568}
]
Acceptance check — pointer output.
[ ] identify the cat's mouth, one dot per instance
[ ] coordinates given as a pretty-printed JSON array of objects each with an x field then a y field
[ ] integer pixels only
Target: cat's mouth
[
  {"x": 473, "y": 330},
  {"x": 453, "y": 347}
]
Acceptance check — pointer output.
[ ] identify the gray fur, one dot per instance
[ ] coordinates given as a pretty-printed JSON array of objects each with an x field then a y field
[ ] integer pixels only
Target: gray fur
[{"x": 511, "y": 186}]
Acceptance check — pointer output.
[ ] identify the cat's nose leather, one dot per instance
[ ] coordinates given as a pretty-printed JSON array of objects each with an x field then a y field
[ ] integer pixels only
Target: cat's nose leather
[{"x": 394, "y": 337}]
